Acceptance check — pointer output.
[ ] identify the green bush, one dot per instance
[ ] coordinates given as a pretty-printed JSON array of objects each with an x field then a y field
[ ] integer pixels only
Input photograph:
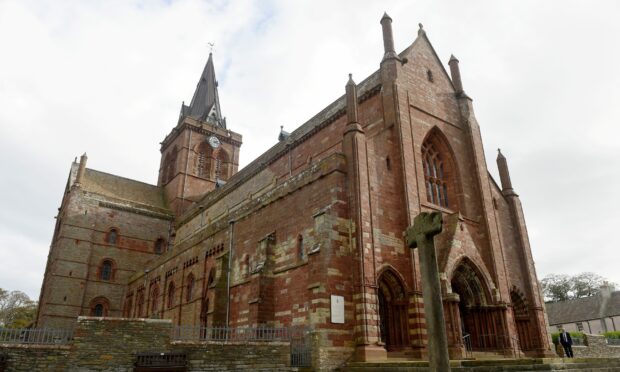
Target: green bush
[
  {"x": 555, "y": 337},
  {"x": 612, "y": 334}
]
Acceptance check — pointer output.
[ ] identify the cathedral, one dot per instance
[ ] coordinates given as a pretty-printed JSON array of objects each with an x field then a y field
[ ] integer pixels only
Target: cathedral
[{"x": 312, "y": 232}]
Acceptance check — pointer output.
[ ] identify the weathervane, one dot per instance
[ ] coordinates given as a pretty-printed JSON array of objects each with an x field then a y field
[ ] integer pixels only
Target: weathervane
[{"x": 211, "y": 45}]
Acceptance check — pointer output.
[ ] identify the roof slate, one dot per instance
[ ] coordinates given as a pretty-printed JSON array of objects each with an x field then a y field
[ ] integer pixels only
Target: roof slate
[
  {"x": 205, "y": 103},
  {"x": 582, "y": 309},
  {"x": 123, "y": 189}
]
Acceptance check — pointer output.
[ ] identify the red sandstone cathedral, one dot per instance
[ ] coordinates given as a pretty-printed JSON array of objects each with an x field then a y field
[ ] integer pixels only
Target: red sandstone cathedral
[{"x": 312, "y": 232}]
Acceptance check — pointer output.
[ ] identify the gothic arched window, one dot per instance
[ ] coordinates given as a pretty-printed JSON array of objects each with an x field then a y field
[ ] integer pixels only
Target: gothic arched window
[
  {"x": 171, "y": 289},
  {"x": 190, "y": 288},
  {"x": 439, "y": 171},
  {"x": 154, "y": 299}
]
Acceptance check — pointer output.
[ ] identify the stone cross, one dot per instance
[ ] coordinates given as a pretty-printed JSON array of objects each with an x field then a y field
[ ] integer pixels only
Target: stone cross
[{"x": 420, "y": 235}]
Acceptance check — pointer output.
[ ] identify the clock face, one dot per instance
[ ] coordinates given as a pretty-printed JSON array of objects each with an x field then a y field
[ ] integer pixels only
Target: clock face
[{"x": 214, "y": 142}]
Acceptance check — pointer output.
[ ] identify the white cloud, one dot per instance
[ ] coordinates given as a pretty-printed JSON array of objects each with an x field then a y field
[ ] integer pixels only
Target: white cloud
[{"x": 108, "y": 78}]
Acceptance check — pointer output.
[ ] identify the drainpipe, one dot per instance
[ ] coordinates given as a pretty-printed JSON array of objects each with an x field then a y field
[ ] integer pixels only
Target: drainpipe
[{"x": 231, "y": 229}]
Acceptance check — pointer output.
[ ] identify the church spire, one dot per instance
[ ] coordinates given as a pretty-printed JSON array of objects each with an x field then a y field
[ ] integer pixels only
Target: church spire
[{"x": 205, "y": 105}]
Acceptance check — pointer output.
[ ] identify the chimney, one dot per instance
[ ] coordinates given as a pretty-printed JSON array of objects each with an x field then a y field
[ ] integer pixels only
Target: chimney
[{"x": 606, "y": 290}]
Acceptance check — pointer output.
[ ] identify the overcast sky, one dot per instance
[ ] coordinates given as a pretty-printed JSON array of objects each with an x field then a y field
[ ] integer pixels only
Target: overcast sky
[{"x": 108, "y": 78}]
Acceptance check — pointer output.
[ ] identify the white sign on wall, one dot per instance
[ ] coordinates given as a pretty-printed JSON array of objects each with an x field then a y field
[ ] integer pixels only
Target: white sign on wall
[{"x": 337, "y": 309}]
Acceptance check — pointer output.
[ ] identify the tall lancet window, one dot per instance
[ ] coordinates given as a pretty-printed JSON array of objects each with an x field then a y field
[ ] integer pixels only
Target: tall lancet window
[
  {"x": 435, "y": 175},
  {"x": 201, "y": 163},
  {"x": 204, "y": 160},
  {"x": 221, "y": 165}
]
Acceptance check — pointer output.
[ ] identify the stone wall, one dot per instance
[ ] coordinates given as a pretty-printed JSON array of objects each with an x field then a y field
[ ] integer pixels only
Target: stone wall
[
  {"x": 26, "y": 358},
  {"x": 106, "y": 344},
  {"x": 596, "y": 347},
  {"x": 212, "y": 356}
]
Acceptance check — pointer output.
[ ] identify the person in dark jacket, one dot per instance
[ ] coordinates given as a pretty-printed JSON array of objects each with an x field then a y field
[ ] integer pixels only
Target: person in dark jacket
[{"x": 567, "y": 343}]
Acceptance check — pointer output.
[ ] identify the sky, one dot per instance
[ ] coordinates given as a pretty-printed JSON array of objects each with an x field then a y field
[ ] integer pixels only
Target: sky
[{"x": 108, "y": 78}]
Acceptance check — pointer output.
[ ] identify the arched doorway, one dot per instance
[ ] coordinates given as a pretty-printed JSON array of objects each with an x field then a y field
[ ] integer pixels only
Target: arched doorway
[
  {"x": 528, "y": 338},
  {"x": 482, "y": 322},
  {"x": 393, "y": 312}
]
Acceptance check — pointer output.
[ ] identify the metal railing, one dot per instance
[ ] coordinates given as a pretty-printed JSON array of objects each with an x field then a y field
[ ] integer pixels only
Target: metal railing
[
  {"x": 578, "y": 341},
  {"x": 613, "y": 341},
  {"x": 35, "y": 335},
  {"x": 227, "y": 334},
  {"x": 467, "y": 343}
]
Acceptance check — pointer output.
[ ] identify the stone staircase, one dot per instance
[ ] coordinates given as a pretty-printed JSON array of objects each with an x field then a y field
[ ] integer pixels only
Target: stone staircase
[{"x": 493, "y": 365}]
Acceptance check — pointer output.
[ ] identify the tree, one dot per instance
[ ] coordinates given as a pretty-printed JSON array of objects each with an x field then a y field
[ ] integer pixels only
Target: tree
[
  {"x": 587, "y": 284},
  {"x": 562, "y": 287},
  {"x": 16, "y": 309},
  {"x": 556, "y": 287}
]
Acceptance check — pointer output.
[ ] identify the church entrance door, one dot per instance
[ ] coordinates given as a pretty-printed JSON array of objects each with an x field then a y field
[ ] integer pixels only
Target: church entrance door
[
  {"x": 483, "y": 322},
  {"x": 393, "y": 312}
]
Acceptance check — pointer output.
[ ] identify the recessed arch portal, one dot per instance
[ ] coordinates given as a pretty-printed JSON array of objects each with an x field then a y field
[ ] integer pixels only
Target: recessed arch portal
[
  {"x": 393, "y": 321},
  {"x": 479, "y": 319}
]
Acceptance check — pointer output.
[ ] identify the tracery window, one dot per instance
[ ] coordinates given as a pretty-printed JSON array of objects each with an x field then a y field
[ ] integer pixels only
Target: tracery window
[{"x": 434, "y": 175}]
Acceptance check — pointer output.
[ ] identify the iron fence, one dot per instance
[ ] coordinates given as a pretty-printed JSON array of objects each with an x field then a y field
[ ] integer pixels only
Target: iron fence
[
  {"x": 228, "y": 334},
  {"x": 578, "y": 341},
  {"x": 613, "y": 341},
  {"x": 35, "y": 335},
  {"x": 297, "y": 337}
]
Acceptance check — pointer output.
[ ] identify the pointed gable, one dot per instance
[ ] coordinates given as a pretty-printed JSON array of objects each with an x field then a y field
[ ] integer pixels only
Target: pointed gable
[{"x": 430, "y": 86}]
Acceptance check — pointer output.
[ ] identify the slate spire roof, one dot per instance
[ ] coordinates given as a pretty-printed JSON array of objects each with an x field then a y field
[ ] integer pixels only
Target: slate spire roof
[{"x": 205, "y": 105}]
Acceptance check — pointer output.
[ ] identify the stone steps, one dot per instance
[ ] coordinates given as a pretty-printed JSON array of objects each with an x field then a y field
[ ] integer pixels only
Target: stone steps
[{"x": 497, "y": 365}]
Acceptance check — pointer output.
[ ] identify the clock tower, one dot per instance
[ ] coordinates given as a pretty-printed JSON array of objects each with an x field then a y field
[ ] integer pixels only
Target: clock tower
[{"x": 200, "y": 153}]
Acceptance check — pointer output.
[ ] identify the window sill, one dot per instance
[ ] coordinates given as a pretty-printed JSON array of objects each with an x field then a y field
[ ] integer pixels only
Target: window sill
[{"x": 437, "y": 208}]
